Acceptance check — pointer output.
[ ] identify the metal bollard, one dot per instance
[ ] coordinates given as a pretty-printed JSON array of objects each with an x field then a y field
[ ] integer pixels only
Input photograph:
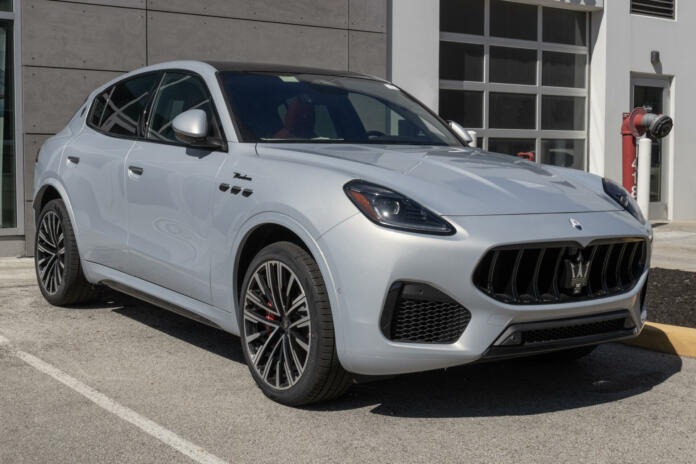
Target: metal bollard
[{"x": 644, "y": 158}]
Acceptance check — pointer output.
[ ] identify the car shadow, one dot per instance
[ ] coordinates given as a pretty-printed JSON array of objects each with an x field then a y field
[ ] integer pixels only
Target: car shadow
[
  {"x": 523, "y": 386},
  {"x": 206, "y": 337}
]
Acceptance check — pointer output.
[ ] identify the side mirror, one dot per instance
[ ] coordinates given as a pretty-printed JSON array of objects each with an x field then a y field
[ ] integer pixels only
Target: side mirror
[
  {"x": 191, "y": 127},
  {"x": 462, "y": 133}
]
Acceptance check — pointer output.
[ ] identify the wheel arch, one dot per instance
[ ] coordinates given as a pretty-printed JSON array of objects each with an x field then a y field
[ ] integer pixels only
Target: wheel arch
[
  {"x": 52, "y": 190},
  {"x": 266, "y": 228}
]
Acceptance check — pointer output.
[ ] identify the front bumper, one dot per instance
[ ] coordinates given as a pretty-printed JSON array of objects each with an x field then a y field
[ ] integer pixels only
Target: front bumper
[{"x": 365, "y": 260}]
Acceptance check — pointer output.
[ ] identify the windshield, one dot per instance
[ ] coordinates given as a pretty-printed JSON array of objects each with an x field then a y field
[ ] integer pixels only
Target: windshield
[{"x": 312, "y": 108}]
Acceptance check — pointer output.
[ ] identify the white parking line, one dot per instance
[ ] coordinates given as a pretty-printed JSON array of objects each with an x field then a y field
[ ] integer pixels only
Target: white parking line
[{"x": 168, "y": 437}]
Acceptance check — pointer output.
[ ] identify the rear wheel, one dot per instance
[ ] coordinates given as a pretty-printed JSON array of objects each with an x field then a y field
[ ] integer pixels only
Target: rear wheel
[
  {"x": 287, "y": 329},
  {"x": 57, "y": 261}
]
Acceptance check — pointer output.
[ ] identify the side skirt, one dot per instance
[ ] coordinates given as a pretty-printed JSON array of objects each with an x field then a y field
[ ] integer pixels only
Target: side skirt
[
  {"x": 162, "y": 297},
  {"x": 158, "y": 302}
]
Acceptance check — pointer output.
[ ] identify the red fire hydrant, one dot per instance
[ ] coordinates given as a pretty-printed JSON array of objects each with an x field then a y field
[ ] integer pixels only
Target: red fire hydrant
[{"x": 636, "y": 124}]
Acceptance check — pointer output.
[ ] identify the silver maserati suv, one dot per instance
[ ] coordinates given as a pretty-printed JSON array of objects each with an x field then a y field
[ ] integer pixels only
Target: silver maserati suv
[{"x": 334, "y": 223}]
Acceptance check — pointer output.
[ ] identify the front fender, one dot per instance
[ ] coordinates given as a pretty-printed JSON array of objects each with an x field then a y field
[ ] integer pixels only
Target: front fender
[{"x": 224, "y": 270}]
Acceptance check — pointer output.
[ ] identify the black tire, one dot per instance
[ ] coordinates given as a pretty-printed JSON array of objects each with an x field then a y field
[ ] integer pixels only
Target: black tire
[
  {"x": 569, "y": 355},
  {"x": 68, "y": 286},
  {"x": 322, "y": 377}
]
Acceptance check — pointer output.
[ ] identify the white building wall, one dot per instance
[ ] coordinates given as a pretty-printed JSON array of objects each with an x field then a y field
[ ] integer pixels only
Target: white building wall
[
  {"x": 415, "y": 39},
  {"x": 622, "y": 45}
]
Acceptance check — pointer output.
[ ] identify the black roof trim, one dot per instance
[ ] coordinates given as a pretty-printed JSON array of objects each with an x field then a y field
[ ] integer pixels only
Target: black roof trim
[{"x": 281, "y": 68}]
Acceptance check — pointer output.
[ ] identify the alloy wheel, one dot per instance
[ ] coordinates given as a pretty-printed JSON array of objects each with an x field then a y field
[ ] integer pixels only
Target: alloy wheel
[
  {"x": 277, "y": 325},
  {"x": 50, "y": 252}
]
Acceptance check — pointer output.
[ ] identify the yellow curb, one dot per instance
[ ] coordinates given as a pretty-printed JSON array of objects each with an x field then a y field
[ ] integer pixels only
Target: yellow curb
[{"x": 665, "y": 338}]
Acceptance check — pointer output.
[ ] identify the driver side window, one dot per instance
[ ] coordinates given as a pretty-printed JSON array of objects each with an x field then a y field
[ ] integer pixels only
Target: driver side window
[{"x": 178, "y": 93}]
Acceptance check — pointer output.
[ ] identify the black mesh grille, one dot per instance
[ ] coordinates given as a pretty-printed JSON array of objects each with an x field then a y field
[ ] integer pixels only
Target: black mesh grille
[
  {"x": 417, "y": 313},
  {"x": 572, "y": 331},
  {"x": 548, "y": 273}
]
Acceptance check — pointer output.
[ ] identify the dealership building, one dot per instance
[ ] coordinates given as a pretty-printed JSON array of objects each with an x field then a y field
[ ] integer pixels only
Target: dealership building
[{"x": 544, "y": 79}]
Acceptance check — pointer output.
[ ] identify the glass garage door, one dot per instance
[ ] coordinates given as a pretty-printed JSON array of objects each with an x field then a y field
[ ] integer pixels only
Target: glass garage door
[{"x": 517, "y": 74}]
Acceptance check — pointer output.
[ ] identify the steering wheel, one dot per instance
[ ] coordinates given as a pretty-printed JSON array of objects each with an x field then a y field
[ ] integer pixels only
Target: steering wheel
[{"x": 375, "y": 133}]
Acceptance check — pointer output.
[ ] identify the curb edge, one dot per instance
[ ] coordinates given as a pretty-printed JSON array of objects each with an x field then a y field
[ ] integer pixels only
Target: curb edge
[{"x": 666, "y": 338}]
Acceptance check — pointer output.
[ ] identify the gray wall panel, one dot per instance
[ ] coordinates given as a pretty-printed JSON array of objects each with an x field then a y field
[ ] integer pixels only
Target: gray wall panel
[
  {"x": 32, "y": 143},
  {"x": 51, "y": 96},
  {"x": 242, "y": 40},
  {"x": 29, "y": 229},
  {"x": 94, "y": 37},
  {"x": 327, "y": 13},
  {"x": 76, "y": 35},
  {"x": 119, "y": 3},
  {"x": 368, "y": 15},
  {"x": 368, "y": 53}
]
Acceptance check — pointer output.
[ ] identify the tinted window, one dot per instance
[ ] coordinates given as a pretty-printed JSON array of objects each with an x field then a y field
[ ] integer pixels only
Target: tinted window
[
  {"x": 512, "y": 146},
  {"x": 315, "y": 108},
  {"x": 100, "y": 102},
  {"x": 126, "y": 104},
  {"x": 564, "y": 26},
  {"x": 562, "y": 112},
  {"x": 513, "y": 20},
  {"x": 462, "y": 106},
  {"x": 563, "y": 69},
  {"x": 513, "y": 65},
  {"x": 512, "y": 110},
  {"x": 463, "y": 16},
  {"x": 179, "y": 93},
  {"x": 461, "y": 62},
  {"x": 566, "y": 153}
]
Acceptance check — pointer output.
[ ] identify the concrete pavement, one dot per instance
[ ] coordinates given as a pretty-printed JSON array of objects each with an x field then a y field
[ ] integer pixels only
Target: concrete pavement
[{"x": 621, "y": 404}]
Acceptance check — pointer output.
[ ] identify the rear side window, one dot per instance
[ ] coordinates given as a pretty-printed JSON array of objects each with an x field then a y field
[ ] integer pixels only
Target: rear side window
[
  {"x": 118, "y": 110},
  {"x": 100, "y": 102},
  {"x": 178, "y": 93}
]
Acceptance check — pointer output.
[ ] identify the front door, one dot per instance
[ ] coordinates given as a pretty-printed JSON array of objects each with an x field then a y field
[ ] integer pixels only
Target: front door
[
  {"x": 653, "y": 93},
  {"x": 169, "y": 188}
]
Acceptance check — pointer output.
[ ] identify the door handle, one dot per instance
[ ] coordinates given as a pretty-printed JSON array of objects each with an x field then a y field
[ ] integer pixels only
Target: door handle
[
  {"x": 74, "y": 159},
  {"x": 138, "y": 171}
]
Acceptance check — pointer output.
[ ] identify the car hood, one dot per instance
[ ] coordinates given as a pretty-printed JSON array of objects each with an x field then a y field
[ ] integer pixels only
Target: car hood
[{"x": 456, "y": 181}]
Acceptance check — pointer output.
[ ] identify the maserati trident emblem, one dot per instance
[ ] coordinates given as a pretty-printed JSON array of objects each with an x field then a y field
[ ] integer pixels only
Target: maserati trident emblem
[
  {"x": 575, "y": 223},
  {"x": 577, "y": 272}
]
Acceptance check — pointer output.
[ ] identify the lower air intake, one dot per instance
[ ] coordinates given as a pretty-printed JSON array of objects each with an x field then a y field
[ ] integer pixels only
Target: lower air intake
[{"x": 418, "y": 313}]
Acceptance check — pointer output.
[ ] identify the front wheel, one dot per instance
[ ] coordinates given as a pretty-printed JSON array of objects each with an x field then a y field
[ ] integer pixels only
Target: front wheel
[{"x": 287, "y": 329}]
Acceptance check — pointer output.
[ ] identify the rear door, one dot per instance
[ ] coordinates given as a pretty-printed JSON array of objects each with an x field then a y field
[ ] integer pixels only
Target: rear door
[
  {"x": 169, "y": 187},
  {"x": 94, "y": 170}
]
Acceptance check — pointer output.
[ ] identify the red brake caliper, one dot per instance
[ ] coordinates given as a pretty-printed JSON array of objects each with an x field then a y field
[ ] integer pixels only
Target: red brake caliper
[{"x": 269, "y": 316}]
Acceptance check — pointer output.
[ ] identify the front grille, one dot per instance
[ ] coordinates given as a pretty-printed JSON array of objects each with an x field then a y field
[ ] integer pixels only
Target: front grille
[
  {"x": 561, "y": 272},
  {"x": 418, "y": 313},
  {"x": 573, "y": 331}
]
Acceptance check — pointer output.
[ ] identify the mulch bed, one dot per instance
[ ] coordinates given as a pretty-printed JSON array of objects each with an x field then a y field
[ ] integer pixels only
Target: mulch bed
[{"x": 672, "y": 297}]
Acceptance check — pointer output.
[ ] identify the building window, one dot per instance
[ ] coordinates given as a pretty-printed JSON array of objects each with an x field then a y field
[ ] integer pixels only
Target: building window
[
  {"x": 8, "y": 157},
  {"x": 518, "y": 77}
]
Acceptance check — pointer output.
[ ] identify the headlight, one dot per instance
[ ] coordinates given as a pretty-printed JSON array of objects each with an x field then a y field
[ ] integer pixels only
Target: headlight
[
  {"x": 391, "y": 209},
  {"x": 622, "y": 197}
]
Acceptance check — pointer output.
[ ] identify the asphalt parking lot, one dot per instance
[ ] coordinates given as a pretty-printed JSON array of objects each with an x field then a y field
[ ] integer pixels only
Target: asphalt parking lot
[{"x": 123, "y": 381}]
